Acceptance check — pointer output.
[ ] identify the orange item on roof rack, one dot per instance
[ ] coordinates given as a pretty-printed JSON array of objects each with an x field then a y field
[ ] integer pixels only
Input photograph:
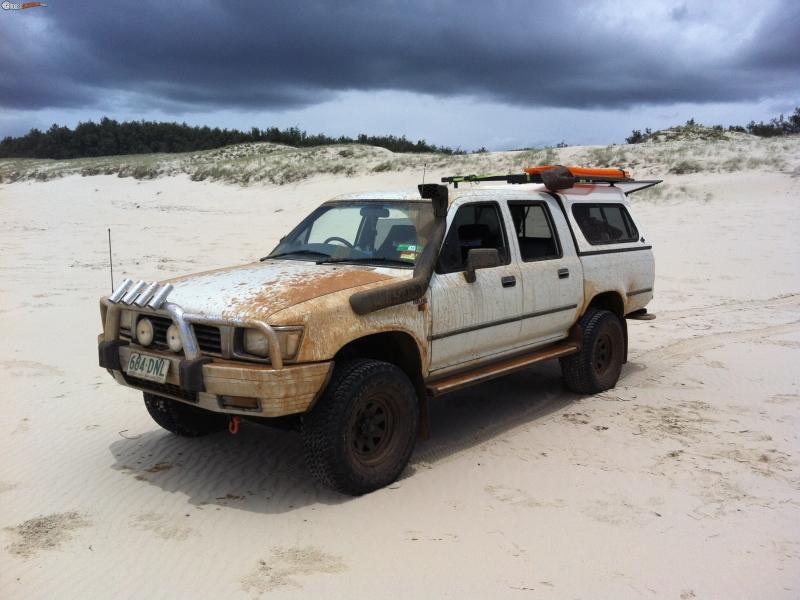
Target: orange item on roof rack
[{"x": 584, "y": 172}]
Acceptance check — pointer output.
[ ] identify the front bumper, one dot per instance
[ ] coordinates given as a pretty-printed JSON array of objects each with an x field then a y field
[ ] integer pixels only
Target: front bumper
[{"x": 222, "y": 385}]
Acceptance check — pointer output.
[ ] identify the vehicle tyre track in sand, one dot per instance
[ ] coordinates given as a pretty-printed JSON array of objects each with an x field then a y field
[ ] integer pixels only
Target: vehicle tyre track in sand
[
  {"x": 672, "y": 355},
  {"x": 791, "y": 300},
  {"x": 551, "y": 397}
]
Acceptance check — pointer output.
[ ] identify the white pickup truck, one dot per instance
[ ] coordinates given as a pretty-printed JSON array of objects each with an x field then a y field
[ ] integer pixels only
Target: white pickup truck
[{"x": 377, "y": 302}]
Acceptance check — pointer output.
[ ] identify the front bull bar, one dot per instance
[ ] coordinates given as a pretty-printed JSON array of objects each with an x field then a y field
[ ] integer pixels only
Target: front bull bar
[{"x": 191, "y": 373}]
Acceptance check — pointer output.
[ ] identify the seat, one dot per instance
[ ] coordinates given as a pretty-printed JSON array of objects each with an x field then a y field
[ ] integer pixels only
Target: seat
[
  {"x": 473, "y": 235},
  {"x": 398, "y": 234}
]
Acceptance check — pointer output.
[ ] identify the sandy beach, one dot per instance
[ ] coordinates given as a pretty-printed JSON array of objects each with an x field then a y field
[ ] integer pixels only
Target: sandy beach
[{"x": 683, "y": 482}]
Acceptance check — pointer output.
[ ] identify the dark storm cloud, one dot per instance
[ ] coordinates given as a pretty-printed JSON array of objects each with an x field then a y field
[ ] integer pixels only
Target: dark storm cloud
[
  {"x": 189, "y": 55},
  {"x": 778, "y": 43}
]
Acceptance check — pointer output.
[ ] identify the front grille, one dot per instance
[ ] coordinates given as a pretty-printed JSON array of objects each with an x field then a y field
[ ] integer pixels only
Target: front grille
[
  {"x": 208, "y": 338},
  {"x": 160, "y": 326},
  {"x": 163, "y": 389}
]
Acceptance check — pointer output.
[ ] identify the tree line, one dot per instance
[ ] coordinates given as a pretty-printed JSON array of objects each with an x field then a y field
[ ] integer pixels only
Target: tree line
[
  {"x": 773, "y": 128},
  {"x": 111, "y": 137}
]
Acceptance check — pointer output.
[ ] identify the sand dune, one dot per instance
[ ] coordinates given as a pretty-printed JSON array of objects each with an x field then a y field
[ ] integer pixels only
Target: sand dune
[{"x": 680, "y": 483}]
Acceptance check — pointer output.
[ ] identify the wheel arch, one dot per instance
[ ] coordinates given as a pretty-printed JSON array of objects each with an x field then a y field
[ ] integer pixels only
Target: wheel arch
[
  {"x": 611, "y": 301},
  {"x": 396, "y": 347}
]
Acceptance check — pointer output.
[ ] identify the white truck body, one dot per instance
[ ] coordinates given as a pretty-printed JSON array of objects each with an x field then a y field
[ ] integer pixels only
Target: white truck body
[{"x": 542, "y": 307}]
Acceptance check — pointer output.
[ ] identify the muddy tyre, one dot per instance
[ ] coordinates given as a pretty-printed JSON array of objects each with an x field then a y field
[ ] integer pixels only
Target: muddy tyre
[
  {"x": 183, "y": 419},
  {"x": 360, "y": 434},
  {"x": 597, "y": 366}
]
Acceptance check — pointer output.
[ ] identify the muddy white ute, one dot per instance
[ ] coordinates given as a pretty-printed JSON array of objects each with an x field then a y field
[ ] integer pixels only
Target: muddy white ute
[{"x": 378, "y": 302}]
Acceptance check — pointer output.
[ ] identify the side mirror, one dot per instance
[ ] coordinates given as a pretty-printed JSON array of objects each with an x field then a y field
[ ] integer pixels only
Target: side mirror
[{"x": 481, "y": 258}]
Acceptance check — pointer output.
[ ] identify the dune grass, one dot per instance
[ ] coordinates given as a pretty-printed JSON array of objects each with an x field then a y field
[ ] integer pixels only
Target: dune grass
[{"x": 275, "y": 164}]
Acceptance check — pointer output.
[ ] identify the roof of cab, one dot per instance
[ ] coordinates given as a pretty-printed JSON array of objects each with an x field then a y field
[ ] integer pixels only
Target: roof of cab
[
  {"x": 580, "y": 192},
  {"x": 408, "y": 195}
]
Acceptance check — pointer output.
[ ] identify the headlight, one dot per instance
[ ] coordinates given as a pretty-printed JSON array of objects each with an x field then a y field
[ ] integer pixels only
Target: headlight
[
  {"x": 126, "y": 320},
  {"x": 256, "y": 343},
  {"x": 174, "y": 339},
  {"x": 144, "y": 332}
]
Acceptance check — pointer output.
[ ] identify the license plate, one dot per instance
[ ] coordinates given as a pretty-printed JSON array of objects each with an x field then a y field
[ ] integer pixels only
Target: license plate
[{"x": 152, "y": 368}]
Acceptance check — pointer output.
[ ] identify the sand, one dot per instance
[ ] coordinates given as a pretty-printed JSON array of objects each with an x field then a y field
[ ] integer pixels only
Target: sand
[{"x": 683, "y": 482}]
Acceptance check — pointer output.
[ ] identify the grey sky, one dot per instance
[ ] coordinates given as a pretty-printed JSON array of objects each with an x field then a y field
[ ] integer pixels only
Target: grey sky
[{"x": 465, "y": 73}]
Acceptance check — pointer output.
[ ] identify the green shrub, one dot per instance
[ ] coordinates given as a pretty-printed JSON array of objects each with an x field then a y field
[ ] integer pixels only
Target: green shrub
[
  {"x": 684, "y": 167},
  {"x": 382, "y": 167},
  {"x": 142, "y": 172},
  {"x": 549, "y": 157}
]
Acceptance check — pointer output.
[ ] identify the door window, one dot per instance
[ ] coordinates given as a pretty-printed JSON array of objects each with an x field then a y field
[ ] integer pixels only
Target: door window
[
  {"x": 477, "y": 225},
  {"x": 535, "y": 232}
]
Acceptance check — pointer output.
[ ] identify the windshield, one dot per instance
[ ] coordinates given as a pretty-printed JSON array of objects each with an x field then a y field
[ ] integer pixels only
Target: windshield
[{"x": 392, "y": 233}]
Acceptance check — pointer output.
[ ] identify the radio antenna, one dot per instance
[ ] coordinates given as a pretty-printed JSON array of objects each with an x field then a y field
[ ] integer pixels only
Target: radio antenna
[
  {"x": 110, "y": 260},
  {"x": 424, "y": 166}
]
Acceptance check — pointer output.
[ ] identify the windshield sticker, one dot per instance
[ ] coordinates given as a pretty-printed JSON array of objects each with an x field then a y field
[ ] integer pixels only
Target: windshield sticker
[
  {"x": 409, "y": 248},
  {"x": 408, "y": 255}
]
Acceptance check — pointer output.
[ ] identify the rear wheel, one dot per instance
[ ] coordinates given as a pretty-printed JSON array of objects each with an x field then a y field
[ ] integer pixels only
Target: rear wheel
[
  {"x": 360, "y": 434},
  {"x": 183, "y": 419},
  {"x": 597, "y": 366}
]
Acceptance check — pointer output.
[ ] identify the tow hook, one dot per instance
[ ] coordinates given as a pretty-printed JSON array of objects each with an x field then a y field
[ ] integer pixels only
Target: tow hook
[{"x": 233, "y": 425}]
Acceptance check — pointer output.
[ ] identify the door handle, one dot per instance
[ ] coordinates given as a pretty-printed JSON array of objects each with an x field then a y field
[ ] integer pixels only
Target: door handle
[
  {"x": 508, "y": 281},
  {"x": 563, "y": 273}
]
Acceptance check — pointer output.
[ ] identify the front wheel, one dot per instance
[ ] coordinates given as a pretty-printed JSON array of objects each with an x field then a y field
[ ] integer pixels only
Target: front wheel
[
  {"x": 597, "y": 366},
  {"x": 360, "y": 434}
]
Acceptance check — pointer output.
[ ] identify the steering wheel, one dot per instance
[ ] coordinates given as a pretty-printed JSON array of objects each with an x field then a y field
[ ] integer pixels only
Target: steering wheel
[{"x": 338, "y": 239}]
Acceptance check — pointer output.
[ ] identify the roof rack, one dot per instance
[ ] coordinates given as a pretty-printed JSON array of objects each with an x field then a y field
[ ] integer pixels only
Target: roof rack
[
  {"x": 579, "y": 174},
  {"x": 519, "y": 178}
]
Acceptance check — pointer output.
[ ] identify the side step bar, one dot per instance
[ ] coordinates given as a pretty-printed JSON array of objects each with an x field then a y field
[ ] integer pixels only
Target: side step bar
[{"x": 451, "y": 383}]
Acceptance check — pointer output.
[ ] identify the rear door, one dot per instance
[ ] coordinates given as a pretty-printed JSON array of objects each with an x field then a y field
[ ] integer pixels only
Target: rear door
[
  {"x": 552, "y": 278},
  {"x": 470, "y": 321}
]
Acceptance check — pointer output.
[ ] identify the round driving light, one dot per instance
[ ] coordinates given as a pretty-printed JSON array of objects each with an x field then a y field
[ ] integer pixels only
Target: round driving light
[
  {"x": 144, "y": 332},
  {"x": 174, "y": 339}
]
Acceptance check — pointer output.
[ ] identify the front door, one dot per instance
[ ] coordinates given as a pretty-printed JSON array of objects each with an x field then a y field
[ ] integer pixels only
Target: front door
[{"x": 470, "y": 321}]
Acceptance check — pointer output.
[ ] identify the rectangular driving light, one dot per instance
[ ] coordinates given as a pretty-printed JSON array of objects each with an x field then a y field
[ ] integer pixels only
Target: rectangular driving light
[{"x": 240, "y": 402}]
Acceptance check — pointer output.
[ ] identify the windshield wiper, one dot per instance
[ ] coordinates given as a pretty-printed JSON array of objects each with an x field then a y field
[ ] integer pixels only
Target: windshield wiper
[
  {"x": 314, "y": 252},
  {"x": 365, "y": 259}
]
